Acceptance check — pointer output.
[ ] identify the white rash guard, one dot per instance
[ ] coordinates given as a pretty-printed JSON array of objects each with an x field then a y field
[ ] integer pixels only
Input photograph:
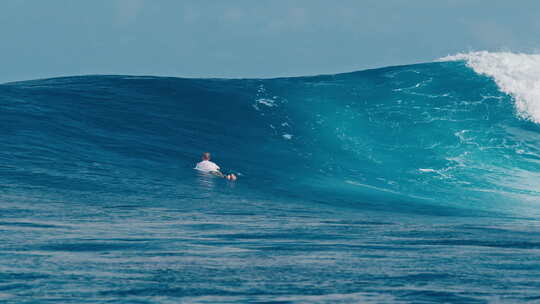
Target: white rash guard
[{"x": 207, "y": 166}]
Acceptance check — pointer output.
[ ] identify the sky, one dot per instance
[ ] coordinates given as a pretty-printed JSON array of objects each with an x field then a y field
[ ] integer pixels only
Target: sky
[{"x": 251, "y": 38}]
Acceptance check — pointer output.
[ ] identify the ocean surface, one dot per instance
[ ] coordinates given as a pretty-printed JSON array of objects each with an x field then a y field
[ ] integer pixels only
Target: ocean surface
[{"x": 407, "y": 184}]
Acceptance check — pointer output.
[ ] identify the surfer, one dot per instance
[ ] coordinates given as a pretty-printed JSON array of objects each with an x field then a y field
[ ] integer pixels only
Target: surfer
[{"x": 208, "y": 166}]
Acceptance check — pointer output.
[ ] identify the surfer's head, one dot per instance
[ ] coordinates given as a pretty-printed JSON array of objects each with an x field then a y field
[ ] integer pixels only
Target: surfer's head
[{"x": 206, "y": 156}]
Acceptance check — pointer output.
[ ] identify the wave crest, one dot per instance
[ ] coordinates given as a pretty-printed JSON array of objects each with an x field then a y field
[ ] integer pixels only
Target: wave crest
[{"x": 515, "y": 74}]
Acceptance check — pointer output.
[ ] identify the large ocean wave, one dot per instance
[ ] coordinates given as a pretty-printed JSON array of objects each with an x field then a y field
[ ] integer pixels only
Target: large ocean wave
[{"x": 436, "y": 133}]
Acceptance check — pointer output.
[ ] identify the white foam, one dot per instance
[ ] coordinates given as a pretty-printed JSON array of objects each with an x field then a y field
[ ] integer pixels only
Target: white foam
[
  {"x": 516, "y": 74},
  {"x": 267, "y": 102},
  {"x": 287, "y": 136}
]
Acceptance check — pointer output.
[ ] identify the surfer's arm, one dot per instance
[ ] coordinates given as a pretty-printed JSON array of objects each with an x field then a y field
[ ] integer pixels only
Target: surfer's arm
[{"x": 218, "y": 173}]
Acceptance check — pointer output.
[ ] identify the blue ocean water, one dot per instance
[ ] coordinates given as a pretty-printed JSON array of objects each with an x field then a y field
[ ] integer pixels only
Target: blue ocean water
[{"x": 408, "y": 184}]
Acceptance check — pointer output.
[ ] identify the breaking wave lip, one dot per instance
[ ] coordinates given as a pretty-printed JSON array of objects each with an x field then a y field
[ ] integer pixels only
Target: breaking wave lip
[{"x": 516, "y": 74}]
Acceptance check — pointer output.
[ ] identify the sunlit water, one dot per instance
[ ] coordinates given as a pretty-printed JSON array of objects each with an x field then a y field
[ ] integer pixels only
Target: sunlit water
[{"x": 404, "y": 184}]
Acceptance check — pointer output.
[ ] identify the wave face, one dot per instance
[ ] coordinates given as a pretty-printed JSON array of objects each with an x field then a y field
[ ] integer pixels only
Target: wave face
[
  {"x": 432, "y": 133},
  {"x": 88, "y": 160}
]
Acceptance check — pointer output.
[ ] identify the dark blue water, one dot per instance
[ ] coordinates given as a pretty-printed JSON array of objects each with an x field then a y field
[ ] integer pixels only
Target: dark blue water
[{"x": 411, "y": 184}]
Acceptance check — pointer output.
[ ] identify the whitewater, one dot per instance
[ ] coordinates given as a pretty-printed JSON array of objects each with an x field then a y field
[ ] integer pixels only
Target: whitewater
[{"x": 415, "y": 183}]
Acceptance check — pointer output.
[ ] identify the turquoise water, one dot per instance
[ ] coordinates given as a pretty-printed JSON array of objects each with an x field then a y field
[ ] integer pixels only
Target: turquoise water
[{"x": 404, "y": 184}]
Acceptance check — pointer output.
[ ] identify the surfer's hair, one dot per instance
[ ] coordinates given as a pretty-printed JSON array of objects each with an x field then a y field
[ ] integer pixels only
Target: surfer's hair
[{"x": 206, "y": 155}]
